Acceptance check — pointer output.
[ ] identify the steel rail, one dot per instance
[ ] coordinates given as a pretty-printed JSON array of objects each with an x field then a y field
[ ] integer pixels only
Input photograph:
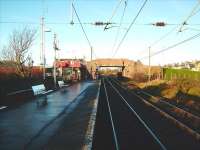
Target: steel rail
[
  {"x": 177, "y": 122},
  {"x": 174, "y": 106},
  {"x": 111, "y": 119},
  {"x": 139, "y": 118},
  {"x": 165, "y": 102}
]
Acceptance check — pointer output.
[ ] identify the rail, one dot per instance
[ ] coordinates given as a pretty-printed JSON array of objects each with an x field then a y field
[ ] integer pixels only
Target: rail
[
  {"x": 177, "y": 122},
  {"x": 139, "y": 118}
]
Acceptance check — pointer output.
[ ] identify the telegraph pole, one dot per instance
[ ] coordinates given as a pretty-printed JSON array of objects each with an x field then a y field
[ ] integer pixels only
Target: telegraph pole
[{"x": 149, "y": 73}]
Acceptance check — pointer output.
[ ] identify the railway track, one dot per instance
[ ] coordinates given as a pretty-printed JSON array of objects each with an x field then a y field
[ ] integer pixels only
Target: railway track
[
  {"x": 189, "y": 119},
  {"x": 187, "y": 109},
  {"x": 125, "y": 122}
]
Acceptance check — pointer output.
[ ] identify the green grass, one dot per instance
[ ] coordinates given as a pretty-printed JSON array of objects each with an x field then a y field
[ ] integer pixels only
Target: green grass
[{"x": 170, "y": 74}]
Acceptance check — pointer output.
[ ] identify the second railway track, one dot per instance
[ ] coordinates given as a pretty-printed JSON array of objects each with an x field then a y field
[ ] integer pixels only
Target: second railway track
[
  {"x": 125, "y": 122},
  {"x": 187, "y": 120}
]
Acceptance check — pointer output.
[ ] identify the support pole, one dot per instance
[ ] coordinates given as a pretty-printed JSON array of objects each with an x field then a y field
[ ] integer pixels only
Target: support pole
[
  {"x": 54, "y": 65},
  {"x": 149, "y": 73},
  {"x": 91, "y": 61},
  {"x": 72, "y": 13},
  {"x": 43, "y": 61}
]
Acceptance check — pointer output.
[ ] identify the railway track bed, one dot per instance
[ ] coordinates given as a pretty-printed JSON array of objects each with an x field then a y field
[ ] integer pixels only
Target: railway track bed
[
  {"x": 190, "y": 119},
  {"x": 125, "y": 122}
]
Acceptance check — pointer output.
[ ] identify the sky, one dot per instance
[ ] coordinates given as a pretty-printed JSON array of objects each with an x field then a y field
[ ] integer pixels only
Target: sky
[{"x": 17, "y": 14}]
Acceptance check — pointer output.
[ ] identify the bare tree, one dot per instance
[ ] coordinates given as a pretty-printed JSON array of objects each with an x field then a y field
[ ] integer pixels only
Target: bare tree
[{"x": 18, "y": 52}]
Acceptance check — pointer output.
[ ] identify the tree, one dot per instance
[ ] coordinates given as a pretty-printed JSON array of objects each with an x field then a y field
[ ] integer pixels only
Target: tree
[{"x": 18, "y": 52}]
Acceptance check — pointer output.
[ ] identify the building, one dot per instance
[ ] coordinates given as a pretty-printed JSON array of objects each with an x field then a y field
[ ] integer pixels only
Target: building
[{"x": 71, "y": 69}]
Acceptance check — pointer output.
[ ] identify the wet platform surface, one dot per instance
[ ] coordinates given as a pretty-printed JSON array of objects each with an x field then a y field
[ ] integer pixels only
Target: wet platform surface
[{"x": 31, "y": 126}]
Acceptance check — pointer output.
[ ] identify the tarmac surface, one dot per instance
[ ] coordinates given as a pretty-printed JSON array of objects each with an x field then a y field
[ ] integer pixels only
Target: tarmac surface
[{"x": 61, "y": 123}]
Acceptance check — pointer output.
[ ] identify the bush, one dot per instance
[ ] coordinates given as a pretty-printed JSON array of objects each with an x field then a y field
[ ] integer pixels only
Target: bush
[
  {"x": 170, "y": 93},
  {"x": 194, "y": 91}
]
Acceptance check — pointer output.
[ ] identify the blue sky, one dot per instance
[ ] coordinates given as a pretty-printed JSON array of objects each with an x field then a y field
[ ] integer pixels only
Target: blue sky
[{"x": 73, "y": 44}]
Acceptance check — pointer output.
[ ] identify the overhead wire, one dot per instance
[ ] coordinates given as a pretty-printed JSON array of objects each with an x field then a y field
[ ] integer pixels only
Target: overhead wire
[
  {"x": 194, "y": 11},
  {"x": 89, "y": 43},
  {"x": 124, "y": 36},
  {"x": 114, "y": 12},
  {"x": 194, "y": 29},
  {"x": 84, "y": 32},
  {"x": 89, "y": 23},
  {"x": 160, "y": 39},
  {"x": 119, "y": 28},
  {"x": 172, "y": 46},
  {"x": 163, "y": 37}
]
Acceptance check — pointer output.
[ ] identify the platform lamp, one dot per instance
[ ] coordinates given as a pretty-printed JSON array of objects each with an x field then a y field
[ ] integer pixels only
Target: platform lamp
[{"x": 43, "y": 59}]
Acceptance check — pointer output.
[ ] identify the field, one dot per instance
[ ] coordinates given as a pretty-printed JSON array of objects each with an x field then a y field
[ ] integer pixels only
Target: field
[{"x": 170, "y": 74}]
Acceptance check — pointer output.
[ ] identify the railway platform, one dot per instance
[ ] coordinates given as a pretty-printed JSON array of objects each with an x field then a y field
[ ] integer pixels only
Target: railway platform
[{"x": 62, "y": 120}]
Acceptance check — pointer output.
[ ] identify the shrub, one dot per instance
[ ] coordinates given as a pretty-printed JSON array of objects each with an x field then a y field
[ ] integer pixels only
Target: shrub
[{"x": 194, "y": 91}]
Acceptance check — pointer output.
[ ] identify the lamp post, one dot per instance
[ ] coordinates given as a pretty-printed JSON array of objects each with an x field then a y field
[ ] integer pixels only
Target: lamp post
[
  {"x": 43, "y": 58},
  {"x": 42, "y": 48}
]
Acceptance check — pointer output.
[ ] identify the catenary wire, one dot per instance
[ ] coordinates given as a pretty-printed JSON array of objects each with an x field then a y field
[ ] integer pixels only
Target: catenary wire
[
  {"x": 194, "y": 11},
  {"x": 119, "y": 28},
  {"x": 124, "y": 36},
  {"x": 114, "y": 12},
  {"x": 83, "y": 30},
  {"x": 81, "y": 26},
  {"x": 172, "y": 46}
]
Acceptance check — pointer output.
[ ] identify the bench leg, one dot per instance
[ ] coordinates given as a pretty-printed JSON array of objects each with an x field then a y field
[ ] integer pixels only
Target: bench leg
[{"x": 42, "y": 101}]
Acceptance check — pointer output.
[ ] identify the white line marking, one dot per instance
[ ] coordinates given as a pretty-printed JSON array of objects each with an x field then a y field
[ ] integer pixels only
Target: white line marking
[{"x": 90, "y": 129}]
